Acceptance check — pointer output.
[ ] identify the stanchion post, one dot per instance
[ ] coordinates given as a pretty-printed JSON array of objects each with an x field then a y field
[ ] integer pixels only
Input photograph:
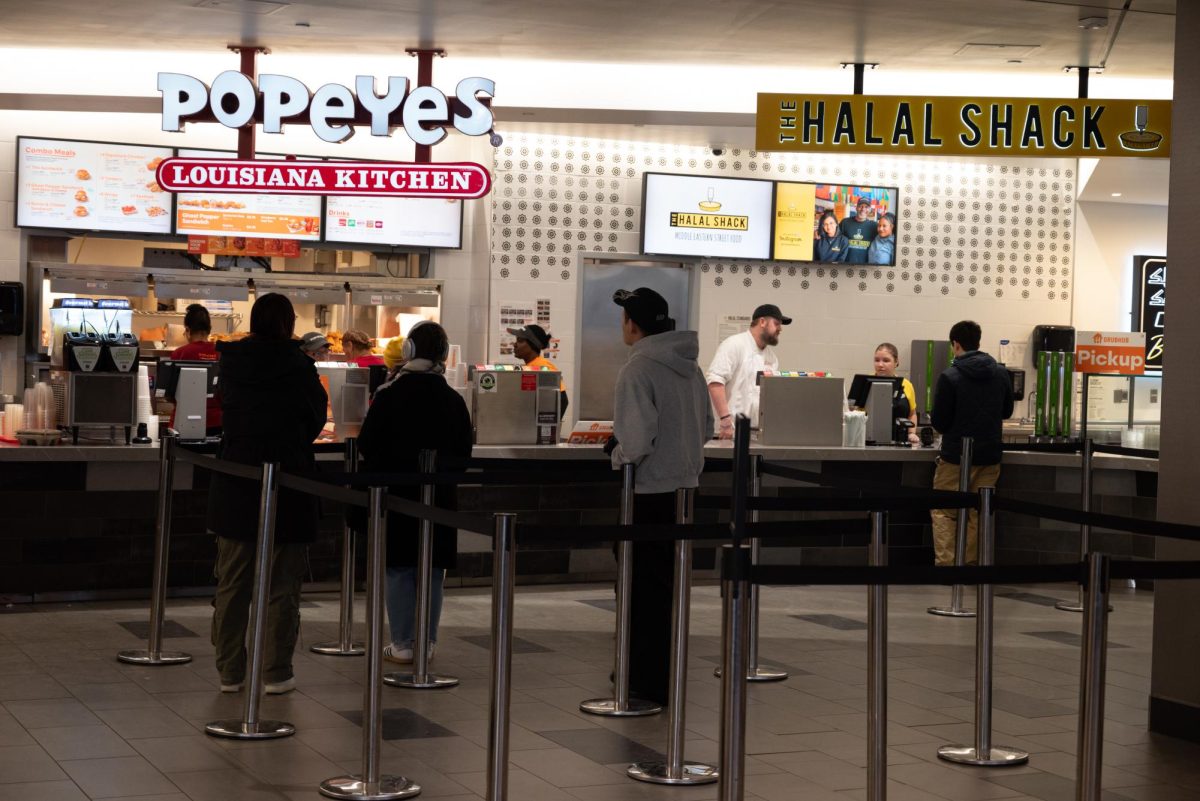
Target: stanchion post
[
  {"x": 675, "y": 770},
  {"x": 877, "y": 637},
  {"x": 621, "y": 705},
  {"x": 250, "y": 727},
  {"x": 1091, "y": 680},
  {"x": 345, "y": 645},
  {"x": 421, "y": 678},
  {"x": 370, "y": 785},
  {"x": 504, "y": 570},
  {"x": 956, "y": 608},
  {"x": 154, "y": 654},
  {"x": 735, "y": 622},
  {"x": 983, "y": 753},
  {"x": 1086, "y": 451}
]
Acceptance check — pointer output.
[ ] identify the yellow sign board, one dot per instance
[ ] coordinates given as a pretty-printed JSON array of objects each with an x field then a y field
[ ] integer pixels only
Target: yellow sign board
[
  {"x": 795, "y": 206},
  {"x": 963, "y": 126}
]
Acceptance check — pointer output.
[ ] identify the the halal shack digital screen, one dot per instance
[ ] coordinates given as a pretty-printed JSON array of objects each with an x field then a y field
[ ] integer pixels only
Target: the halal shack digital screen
[
  {"x": 835, "y": 223},
  {"x": 695, "y": 215}
]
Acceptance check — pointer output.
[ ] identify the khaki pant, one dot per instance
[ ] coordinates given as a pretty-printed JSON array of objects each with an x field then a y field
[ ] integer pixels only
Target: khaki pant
[
  {"x": 231, "y": 609},
  {"x": 945, "y": 521}
]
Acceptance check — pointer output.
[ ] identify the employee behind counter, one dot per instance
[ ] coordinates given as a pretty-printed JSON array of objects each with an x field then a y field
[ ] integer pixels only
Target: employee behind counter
[
  {"x": 531, "y": 340},
  {"x": 904, "y": 404}
]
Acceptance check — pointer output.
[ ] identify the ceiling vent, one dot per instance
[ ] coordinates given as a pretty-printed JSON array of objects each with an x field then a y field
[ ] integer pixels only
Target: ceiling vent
[
  {"x": 253, "y": 8},
  {"x": 995, "y": 51}
]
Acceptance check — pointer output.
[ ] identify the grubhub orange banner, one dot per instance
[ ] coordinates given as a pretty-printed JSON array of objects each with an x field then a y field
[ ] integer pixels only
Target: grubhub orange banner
[{"x": 1110, "y": 352}]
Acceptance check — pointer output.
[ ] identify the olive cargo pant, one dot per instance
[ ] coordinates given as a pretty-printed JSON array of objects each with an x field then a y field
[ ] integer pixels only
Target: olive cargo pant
[{"x": 945, "y": 521}]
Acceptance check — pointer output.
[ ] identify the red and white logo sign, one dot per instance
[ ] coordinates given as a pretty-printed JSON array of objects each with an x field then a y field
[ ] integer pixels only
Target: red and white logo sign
[
  {"x": 1110, "y": 352},
  {"x": 466, "y": 180}
]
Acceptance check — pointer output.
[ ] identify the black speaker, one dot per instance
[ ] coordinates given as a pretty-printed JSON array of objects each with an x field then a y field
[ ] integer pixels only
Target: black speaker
[{"x": 12, "y": 308}]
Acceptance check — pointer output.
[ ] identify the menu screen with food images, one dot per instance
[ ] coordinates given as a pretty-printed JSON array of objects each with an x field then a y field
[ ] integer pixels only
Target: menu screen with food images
[
  {"x": 265, "y": 216},
  {"x": 408, "y": 221},
  {"x": 696, "y": 215},
  {"x": 91, "y": 186}
]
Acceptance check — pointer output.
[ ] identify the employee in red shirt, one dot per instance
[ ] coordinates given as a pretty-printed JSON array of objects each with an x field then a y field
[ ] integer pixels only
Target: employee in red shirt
[
  {"x": 357, "y": 347},
  {"x": 197, "y": 326}
]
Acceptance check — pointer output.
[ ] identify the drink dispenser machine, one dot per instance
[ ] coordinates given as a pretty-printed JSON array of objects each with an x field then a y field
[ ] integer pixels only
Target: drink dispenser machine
[{"x": 514, "y": 407}]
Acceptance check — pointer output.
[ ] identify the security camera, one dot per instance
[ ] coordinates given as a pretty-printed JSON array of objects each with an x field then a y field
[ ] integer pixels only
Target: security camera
[
  {"x": 495, "y": 139},
  {"x": 717, "y": 150}
]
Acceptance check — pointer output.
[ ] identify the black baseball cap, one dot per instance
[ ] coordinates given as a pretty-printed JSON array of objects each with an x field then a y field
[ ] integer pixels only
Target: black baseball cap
[
  {"x": 770, "y": 310},
  {"x": 645, "y": 307},
  {"x": 535, "y": 335},
  {"x": 313, "y": 341}
]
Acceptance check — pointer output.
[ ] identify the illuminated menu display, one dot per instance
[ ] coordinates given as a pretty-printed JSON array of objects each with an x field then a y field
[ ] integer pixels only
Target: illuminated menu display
[
  {"x": 408, "y": 221},
  {"x": 91, "y": 186},
  {"x": 253, "y": 215},
  {"x": 696, "y": 215}
]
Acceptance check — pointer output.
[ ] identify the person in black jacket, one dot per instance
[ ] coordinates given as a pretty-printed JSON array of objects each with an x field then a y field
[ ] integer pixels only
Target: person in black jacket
[
  {"x": 273, "y": 407},
  {"x": 973, "y": 398},
  {"x": 415, "y": 411}
]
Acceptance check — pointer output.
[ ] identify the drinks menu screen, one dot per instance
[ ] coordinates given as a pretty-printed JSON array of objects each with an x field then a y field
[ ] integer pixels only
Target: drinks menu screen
[
  {"x": 266, "y": 216},
  {"x": 91, "y": 186},
  {"x": 409, "y": 221}
]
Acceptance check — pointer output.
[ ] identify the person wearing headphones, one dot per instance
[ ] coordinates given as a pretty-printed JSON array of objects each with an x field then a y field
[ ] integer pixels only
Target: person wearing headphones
[
  {"x": 531, "y": 341},
  {"x": 415, "y": 411}
]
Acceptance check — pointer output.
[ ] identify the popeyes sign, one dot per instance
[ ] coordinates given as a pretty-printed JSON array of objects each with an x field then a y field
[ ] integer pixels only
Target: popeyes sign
[{"x": 1110, "y": 352}]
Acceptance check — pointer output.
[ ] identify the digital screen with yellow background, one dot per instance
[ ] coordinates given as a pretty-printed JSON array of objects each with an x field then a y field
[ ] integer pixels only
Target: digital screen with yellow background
[{"x": 834, "y": 223}]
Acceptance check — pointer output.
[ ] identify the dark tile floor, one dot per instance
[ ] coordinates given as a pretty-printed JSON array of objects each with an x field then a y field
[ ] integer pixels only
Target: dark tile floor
[{"x": 76, "y": 724}]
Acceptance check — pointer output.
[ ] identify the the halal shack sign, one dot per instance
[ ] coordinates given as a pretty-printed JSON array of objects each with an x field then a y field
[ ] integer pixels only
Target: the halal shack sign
[{"x": 333, "y": 110}]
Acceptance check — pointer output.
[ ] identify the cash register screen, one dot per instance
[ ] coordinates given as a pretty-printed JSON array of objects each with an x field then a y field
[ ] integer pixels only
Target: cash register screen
[
  {"x": 167, "y": 376},
  {"x": 860, "y": 387}
]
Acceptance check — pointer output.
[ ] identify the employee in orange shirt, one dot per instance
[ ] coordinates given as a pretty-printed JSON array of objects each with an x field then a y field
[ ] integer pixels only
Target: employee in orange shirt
[
  {"x": 197, "y": 325},
  {"x": 531, "y": 341}
]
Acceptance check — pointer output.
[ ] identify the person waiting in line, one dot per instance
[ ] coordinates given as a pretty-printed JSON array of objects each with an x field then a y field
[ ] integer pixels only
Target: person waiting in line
[
  {"x": 661, "y": 420},
  {"x": 887, "y": 359},
  {"x": 973, "y": 398},
  {"x": 860, "y": 230},
  {"x": 883, "y": 246},
  {"x": 415, "y": 412},
  {"x": 316, "y": 346},
  {"x": 273, "y": 407},
  {"x": 530, "y": 341},
  {"x": 197, "y": 326},
  {"x": 733, "y": 373},
  {"x": 357, "y": 347},
  {"x": 831, "y": 245}
]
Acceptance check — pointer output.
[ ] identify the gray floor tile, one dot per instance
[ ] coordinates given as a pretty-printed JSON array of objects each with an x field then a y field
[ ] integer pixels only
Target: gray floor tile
[
  {"x": 607, "y": 604},
  {"x": 27, "y": 763},
  {"x": 1028, "y": 597},
  {"x": 118, "y": 776},
  {"x": 147, "y": 722},
  {"x": 1019, "y": 704},
  {"x": 82, "y": 742},
  {"x": 27, "y": 686},
  {"x": 1065, "y": 638},
  {"x": 226, "y": 785},
  {"x": 1046, "y": 787},
  {"x": 834, "y": 622},
  {"x": 125, "y": 695},
  {"x": 49, "y": 713},
  {"x": 64, "y": 790},
  {"x": 141, "y": 629},
  {"x": 563, "y": 767},
  {"x": 186, "y": 753},
  {"x": 402, "y": 724},
  {"x": 602, "y": 746},
  {"x": 519, "y": 644}
]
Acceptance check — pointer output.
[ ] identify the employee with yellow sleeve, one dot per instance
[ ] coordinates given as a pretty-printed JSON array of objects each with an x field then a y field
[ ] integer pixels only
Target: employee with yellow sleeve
[{"x": 531, "y": 341}]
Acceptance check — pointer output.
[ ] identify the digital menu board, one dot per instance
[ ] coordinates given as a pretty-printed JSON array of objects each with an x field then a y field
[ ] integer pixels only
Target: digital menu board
[
  {"x": 696, "y": 215},
  {"x": 90, "y": 186},
  {"x": 406, "y": 221},
  {"x": 835, "y": 223},
  {"x": 253, "y": 215}
]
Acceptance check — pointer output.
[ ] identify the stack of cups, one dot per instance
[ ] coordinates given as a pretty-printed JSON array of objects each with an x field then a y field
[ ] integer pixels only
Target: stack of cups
[
  {"x": 48, "y": 417},
  {"x": 145, "y": 403},
  {"x": 14, "y": 419}
]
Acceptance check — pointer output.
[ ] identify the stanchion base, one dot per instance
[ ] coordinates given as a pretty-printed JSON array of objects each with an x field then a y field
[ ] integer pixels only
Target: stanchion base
[
  {"x": 238, "y": 730},
  {"x": 147, "y": 658},
  {"x": 759, "y": 673},
  {"x": 607, "y": 707},
  {"x": 388, "y": 787},
  {"x": 336, "y": 649},
  {"x": 657, "y": 773},
  {"x": 1000, "y": 756},
  {"x": 409, "y": 681},
  {"x": 950, "y": 611}
]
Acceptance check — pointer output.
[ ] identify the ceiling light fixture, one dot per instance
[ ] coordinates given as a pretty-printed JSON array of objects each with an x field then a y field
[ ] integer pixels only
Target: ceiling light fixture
[
  {"x": 1093, "y": 23},
  {"x": 1116, "y": 194}
]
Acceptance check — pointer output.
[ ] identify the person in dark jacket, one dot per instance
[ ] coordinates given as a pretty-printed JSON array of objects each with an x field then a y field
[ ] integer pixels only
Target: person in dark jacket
[
  {"x": 416, "y": 411},
  {"x": 273, "y": 407},
  {"x": 831, "y": 245},
  {"x": 973, "y": 398}
]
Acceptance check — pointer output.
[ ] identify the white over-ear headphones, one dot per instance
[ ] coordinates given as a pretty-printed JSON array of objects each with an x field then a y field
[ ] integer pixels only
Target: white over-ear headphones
[{"x": 408, "y": 351}]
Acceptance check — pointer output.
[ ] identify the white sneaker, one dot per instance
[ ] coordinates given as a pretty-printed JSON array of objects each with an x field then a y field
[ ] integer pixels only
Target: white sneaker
[
  {"x": 231, "y": 688},
  {"x": 280, "y": 687},
  {"x": 401, "y": 656}
]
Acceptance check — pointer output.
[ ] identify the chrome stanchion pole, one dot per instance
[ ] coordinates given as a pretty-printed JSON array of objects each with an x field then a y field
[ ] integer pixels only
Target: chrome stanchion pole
[
  {"x": 877, "y": 637},
  {"x": 983, "y": 753},
  {"x": 675, "y": 770},
  {"x": 621, "y": 705},
  {"x": 370, "y": 785},
  {"x": 154, "y": 654},
  {"x": 1091, "y": 680},
  {"x": 250, "y": 727},
  {"x": 421, "y": 678},
  {"x": 504, "y": 571},
  {"x": 1086, "y": 452},
  {"x": 735, "y": 624},
  {"x": 345, "y": 645},
  {"x": 956, "y": 608}
]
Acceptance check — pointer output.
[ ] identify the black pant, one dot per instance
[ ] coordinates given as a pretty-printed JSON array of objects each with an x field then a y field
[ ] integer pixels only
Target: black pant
[{"x": 650, "y": 602}]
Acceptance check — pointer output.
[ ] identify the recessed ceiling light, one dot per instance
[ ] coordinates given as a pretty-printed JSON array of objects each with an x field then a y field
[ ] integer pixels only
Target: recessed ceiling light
[
  {"x": 1093, "y": 23},
  {"x": 1116, "y": 194}
]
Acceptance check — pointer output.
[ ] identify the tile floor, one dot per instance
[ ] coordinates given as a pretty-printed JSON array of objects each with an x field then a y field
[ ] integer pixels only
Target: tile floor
[{"x": 76, "y": 724}]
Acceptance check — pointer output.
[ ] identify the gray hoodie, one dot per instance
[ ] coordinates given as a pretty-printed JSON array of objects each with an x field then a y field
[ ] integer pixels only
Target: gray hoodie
[{"x": 661, "y": 412}]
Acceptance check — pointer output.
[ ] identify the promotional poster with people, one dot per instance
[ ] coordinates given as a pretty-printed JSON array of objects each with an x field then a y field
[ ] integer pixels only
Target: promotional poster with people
[{"x": 835, "y": 224}]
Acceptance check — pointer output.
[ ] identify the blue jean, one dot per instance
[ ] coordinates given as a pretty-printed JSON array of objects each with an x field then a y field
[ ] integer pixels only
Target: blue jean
[{"x": 402, "y": 604}]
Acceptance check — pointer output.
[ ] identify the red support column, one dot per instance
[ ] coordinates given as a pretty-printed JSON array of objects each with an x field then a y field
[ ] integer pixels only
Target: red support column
[{"x": 249, "y": 68}]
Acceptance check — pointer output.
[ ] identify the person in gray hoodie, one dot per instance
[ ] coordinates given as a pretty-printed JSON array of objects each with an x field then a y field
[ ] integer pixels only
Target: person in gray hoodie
[{"x": 661, "y": 419}]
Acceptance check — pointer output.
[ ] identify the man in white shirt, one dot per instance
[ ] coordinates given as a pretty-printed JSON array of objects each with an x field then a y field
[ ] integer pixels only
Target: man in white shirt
[{"x": 733, "y": 374}]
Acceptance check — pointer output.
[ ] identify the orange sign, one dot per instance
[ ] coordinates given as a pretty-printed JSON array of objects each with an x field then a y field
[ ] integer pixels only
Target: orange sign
[
  {"x": 1110, "y": 352},
  {"x": 243, "y": 246}
]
